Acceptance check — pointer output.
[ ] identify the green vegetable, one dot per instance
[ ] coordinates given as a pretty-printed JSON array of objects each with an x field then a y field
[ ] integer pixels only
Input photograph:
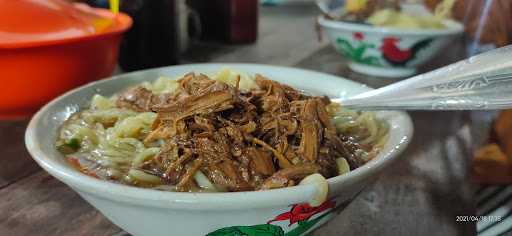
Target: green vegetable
[
  {"x": 68, "y": 147},
  {"x": 73, "y": 143}
]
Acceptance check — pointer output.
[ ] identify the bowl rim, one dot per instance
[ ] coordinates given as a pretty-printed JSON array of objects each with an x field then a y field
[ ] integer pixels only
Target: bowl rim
[
  {"x": 453, "y": 28},
  {"x": 123, "y": 23},
  {"x": 199, "y": 201}
]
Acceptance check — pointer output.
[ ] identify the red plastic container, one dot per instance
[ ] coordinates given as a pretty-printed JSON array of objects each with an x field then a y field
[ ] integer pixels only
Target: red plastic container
[{"x": 48, "y": 47}]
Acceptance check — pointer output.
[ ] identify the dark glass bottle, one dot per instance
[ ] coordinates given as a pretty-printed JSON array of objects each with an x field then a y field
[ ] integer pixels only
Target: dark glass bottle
[
  {"x": 152, "y": 41},
  {"x": 233, "y": 21},
  {"x": 242, "y": 21}
]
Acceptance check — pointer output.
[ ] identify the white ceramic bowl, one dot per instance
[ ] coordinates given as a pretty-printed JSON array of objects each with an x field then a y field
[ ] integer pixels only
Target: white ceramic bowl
[
  {"x": 385, "y": 51},
  {"x": 150, "y": 212}
]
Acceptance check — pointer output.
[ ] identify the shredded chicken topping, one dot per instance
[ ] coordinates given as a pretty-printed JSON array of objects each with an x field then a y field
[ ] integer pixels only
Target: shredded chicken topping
[{"x": 264, "y": 138}]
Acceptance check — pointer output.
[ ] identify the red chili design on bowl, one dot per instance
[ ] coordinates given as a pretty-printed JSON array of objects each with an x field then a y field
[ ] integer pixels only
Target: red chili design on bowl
[
  {"x": 302, "y": 212},
  {"x": 358, "y": 36}
]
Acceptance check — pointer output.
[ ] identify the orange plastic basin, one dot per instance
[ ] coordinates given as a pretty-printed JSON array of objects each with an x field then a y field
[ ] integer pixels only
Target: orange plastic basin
[{"x": 48, "y": 47}]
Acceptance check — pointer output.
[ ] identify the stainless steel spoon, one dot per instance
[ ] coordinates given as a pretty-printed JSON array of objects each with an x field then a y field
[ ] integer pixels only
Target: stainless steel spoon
[{"x": 481, "y": 82}]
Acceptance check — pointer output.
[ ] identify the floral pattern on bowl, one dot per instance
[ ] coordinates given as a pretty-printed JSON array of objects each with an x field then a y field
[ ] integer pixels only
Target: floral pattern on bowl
[
  {"x": 355, "y": 50},
  {"x": 387, "y": 52},
  {"x": 301, "y": 218}
]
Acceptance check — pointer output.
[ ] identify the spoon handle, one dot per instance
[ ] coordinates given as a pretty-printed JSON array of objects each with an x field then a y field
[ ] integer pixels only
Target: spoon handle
[{"x": 481, "y": 82}]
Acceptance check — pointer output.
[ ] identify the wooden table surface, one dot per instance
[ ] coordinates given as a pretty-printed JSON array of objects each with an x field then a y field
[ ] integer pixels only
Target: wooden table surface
[{"x": 420, "y": 195}]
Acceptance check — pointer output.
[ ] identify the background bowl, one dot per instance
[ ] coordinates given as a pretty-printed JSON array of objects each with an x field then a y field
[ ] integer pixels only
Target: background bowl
[
  {"x": 36, "y": 72},
  {"x": 151, "y": 212},
  {"x": 384, "y": 51}
]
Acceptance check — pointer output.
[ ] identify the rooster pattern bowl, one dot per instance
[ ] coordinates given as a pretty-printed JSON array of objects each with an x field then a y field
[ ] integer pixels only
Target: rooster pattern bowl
[{"x": 387, "y": 52}]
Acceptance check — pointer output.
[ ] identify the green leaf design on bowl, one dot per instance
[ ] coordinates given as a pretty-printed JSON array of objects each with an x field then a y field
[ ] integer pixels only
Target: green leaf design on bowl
[
  {"x": 268, "y": 229},
  {"x": 254, "y": 230},
  {"x": 357, "y": 53}
]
